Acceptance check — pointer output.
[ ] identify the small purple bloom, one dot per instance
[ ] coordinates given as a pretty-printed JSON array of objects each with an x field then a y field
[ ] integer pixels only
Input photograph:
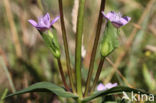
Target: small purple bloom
[
  {"x": 44, "y": 22},
  {"x": 110, "y": 85},
  {"x": 116, "y": 19},
  {"x": 101, "y": 87}
]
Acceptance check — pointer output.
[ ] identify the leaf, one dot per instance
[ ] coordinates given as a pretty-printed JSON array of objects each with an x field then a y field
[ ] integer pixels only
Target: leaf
[
  {"x": 45, "y": 87},
  {"x": 115, "y": 90},
  {"x": 110, "y": 40},
  {"x": 148, "y": 78},
  {"x": 3, "y": 95}
]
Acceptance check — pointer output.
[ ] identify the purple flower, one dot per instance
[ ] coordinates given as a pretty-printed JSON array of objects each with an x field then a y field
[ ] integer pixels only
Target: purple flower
[
  {"x": 101, "y": 87},
  {"x": 44, "y": 22},
  {"x": 116, "y": 19}
]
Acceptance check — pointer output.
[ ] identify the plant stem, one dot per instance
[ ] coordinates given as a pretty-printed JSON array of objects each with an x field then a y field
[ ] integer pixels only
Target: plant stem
[
  {"x": 79, "y": 31},
  {"x": 39, "y": 2},
  {"x": 62, "y": 74},
  {"x": 13, "y": 29},
  {"x": 91, "y": 66},
  {"x": 98, "y": 73},
  {"x": 66, "y": 45},
  {"x": 78, "y": 101},
  {"x": 3, "y": 95},
  {"x": 12, "y": 86}
]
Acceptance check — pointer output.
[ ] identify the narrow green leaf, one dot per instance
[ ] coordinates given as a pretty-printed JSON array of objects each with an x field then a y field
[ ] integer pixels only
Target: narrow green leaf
[
  {"x": 45, "y": 87},
  {"x": 110, "y": 40},
  {"x": 115, "y": 90},
  {"x": 3, "y": 95},
  {"x": 148, "y": 78}
]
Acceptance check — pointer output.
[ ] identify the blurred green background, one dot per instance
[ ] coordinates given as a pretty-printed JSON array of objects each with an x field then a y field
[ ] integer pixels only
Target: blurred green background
[{"x": 24, "y": 58}]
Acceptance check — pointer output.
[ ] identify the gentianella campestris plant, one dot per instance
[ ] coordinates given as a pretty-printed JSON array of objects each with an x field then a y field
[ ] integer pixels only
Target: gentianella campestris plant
[{"x": 108, "y": 44}]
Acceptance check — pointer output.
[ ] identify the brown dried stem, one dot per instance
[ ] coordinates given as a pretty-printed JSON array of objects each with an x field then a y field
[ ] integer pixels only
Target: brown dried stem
[{"x": 13, "y": 28}]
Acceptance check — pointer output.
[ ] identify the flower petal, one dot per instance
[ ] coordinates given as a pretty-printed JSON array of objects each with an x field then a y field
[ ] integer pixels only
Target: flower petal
[
  {"x": 41, "y": 22},
  {"x": 42, "y": 28},
  {"x": 46, "y": 17},
  {"x": 53, "y": 21},
  {"x": 109, "y": 15},
  {"x": 110, "y": 85},
  {"x": 117, "y": 24},
  {"x": 34, "y": 23},
  {"x": 46, "y": 20},
  {"x": 105, "y": 15},
  {"x": 125, "y": 20},
  {"x": 101, "y": 87}
]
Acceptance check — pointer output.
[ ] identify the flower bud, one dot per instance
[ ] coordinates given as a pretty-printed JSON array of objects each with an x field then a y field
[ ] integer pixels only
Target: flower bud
[
  {"x": 109, "y": 42},
  {"x": 52, "y": 43}
]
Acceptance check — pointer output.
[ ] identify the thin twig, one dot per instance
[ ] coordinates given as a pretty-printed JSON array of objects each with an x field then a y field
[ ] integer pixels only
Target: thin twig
[
  {"x": 8, "y": 75},
  {"x": 74, "y": 14},
  {"x": 13, "y": 29},
  {"x": 152, "y": 29},
  {"x": 125, "y": 80},
  {"x": 4, "y": 57}
]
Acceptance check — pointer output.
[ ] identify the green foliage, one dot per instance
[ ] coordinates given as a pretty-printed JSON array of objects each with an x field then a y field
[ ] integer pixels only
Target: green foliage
[
  {"x": 52, "y": 43},
  {"x": 50, "y": 87},
  {"x": 148, "y": 78},
  {"x": 115, "y": 90},
  {"x": 45, "y": 87},
  {"x": 3, "y": 95},
  {"x": 109, "y": 42}
]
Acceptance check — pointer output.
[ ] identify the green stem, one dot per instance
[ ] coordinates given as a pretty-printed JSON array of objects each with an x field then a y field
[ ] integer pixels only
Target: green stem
[
  {"x": 66, "y": 45},
  {"x": 62, "y": 74},
  {"x": 91, "y": 66},
  {"x": 79, "y": 101},
  {"x": 3, "y": 95},
  {"x": 98, "y": 73},
  {"x": 8, "y": 75},
  {"x": 79, "y": 32}
]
